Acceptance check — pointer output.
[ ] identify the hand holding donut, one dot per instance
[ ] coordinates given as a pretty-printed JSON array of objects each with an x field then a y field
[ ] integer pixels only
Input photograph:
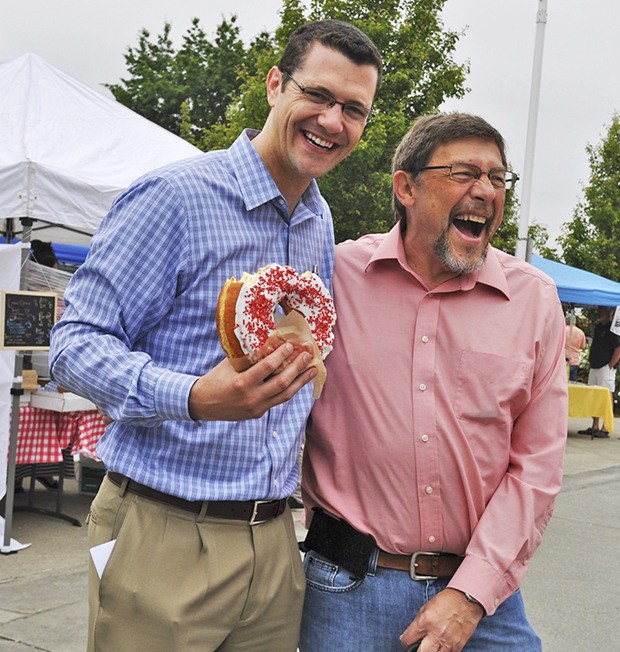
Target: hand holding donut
[
  {"x": 246, "y": 319},
  {"x": 228, "y": 395}
]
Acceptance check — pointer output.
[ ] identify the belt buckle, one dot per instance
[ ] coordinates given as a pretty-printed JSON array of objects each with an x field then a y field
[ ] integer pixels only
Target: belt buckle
[
  {"x": 414, "y": 558},
  {"x": 253, "y": 520}
]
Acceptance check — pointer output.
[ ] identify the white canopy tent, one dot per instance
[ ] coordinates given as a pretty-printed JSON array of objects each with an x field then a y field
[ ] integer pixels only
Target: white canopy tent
[{"x": 66, "y": 152}]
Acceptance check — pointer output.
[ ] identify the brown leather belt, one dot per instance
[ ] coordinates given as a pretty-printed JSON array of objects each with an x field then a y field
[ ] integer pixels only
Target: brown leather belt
[
  {"x": 422, "y": 565},
  {"x": 252, "y": 511}
]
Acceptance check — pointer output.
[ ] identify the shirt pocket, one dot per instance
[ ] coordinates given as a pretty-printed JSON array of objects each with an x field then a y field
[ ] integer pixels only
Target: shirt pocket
[{"x": 490, "y": 388}]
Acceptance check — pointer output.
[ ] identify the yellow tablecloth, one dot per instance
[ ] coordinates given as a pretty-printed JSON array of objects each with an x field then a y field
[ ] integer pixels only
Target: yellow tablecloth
[{"x": 590, "y": 401}]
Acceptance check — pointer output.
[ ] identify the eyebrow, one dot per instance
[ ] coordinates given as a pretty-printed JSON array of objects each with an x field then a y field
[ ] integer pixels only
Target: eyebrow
[{"x": 327, "y": 91}]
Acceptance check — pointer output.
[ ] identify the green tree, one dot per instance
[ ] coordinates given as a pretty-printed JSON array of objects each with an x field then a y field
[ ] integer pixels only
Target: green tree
[
  {"x": 188, "y": 89},
  {"x": 419, "y": 75},
  {"x": 151, "y": 90},
  {"x": 591, "y": 240}
]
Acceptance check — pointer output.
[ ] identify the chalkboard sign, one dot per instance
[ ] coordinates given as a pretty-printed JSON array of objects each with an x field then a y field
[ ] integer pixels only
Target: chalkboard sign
[{"x": 27, "y": 319}]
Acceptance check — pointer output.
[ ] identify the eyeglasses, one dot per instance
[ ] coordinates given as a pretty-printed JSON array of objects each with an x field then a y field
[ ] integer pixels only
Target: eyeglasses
[
  {"x": 499, "y": 178},
  {"x": 350, "y": 110}
]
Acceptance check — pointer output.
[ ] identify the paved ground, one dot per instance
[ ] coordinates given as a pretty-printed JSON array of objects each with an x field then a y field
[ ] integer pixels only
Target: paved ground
[{"x": 572, "y": 590}]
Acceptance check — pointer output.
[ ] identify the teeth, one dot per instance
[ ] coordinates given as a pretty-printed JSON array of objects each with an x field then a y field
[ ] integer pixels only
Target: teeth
[
  {"x": 318, "y": 141},
  {"x": 472, "y": 218}
]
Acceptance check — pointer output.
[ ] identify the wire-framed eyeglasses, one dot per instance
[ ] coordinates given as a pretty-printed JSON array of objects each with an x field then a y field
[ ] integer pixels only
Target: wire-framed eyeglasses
[
  {"x": 499, "y": 178},
  {"x": 351, "y": 110}
]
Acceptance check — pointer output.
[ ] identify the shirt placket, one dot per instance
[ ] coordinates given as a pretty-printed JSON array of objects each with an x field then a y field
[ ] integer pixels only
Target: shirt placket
[{"x": 426, "y": 436}]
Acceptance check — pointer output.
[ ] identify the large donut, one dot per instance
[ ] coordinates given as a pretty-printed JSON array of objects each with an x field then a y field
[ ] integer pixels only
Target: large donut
[{"x": 246, "y": 309}]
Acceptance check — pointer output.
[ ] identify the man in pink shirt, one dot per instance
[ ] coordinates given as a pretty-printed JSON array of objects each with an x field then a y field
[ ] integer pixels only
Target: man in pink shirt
[{"x": 435, "y": 454}]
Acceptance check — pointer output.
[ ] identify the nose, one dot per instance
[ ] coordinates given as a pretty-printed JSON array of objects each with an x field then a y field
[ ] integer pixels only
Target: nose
[
  {"x": 331, "y": 118},
  {"x": 483, "y": 189}
]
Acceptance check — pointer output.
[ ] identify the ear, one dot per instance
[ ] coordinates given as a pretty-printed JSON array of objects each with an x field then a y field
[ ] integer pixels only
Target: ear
[
  {"x": 404, "y": 188},
  {"x": 274, "y": 85}
]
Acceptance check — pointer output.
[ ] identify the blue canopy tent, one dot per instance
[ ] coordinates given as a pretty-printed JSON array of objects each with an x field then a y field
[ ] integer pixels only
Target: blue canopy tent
[
  {"x": 71, "y": 254},
  {"x": 578, "y": 286}
]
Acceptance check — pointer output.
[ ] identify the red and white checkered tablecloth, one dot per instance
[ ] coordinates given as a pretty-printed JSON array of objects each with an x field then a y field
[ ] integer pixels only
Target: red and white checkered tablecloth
[
  {"x": 83, "y": 429},
  {"x": 42, "y": 434},
  {"x": 37, "y": 436}
]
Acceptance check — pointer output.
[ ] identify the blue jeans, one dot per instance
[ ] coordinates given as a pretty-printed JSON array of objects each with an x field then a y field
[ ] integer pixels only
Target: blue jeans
[{"x": 369, "y": 615}]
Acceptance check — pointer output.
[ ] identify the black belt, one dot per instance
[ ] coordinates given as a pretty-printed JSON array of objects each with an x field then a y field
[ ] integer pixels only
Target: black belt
[{"x": 252, "y": 511}]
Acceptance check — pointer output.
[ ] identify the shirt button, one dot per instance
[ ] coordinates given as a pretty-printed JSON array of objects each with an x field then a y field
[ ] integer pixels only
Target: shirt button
[
  {"x": 425, "y": 338},
  {"x": 431, "y": 539},
  {"x": 424, "y": 437},
  {"x": 496, "y": 601},
  {"x": 274, "y": 433},
  {"x": 429, "y": 490},
  {"x": 422, "y": 387}
]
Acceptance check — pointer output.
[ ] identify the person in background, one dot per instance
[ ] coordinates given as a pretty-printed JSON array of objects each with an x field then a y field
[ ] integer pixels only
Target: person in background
[
  {"x": 603, "y": 358},
  {"x": 200, "y": 458},
  {"x": 435, "y": 452},
  {"x": 43, "y": 253},
  {"x": 575, "y": 344}
]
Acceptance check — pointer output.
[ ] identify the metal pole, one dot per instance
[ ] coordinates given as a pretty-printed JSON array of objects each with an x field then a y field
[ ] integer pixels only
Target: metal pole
[
  {"x": 16, "y": 392},
  {"x": 530, "y": 143}
]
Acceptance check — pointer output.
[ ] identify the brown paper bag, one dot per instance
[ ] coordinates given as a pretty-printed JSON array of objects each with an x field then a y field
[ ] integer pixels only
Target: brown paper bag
[{"x": 295, "y": 329}]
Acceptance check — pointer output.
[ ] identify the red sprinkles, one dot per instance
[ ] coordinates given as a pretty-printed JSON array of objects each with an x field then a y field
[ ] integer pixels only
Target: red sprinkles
[{"x": 269, "y": 287}]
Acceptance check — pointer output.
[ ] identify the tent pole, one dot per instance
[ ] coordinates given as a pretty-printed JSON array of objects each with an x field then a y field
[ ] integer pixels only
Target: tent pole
[
  {"x": 16, "y": 392},
  {"x": 9, "y": 230}
]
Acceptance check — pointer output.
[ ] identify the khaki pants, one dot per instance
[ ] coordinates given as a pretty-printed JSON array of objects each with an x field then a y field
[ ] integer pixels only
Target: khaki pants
[{"x": 176, "y": 583}]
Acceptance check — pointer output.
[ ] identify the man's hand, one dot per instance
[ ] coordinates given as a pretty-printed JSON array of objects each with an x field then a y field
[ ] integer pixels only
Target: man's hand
[
  {"x": 228, "y": 395},
  {"x": 104, "y": 417},
  {"x": 445, "y": 623}
]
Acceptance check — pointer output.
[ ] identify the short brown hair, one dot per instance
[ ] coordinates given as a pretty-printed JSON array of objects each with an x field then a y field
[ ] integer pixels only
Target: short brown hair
[{"x": 336, "y": 34}]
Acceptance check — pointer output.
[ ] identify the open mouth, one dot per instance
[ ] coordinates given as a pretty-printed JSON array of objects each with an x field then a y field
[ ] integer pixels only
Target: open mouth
[
  {"x": 318, "y": 142},
  {"x": 471, "y": 225}
]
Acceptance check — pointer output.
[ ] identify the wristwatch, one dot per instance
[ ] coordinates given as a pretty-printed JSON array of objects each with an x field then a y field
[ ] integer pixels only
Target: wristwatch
[{"x": 470, "y": 598}]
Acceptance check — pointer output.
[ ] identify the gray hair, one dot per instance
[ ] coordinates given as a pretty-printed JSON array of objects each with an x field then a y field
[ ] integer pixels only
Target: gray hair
[{"x": 428, "y": 132}]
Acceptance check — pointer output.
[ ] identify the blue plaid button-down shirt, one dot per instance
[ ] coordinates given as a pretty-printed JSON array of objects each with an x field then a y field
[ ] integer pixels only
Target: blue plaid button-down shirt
[{"x": 139, "y": 327}]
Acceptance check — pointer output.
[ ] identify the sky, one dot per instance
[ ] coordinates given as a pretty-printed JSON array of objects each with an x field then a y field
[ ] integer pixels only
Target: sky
[{"x": 580, "y": 82}]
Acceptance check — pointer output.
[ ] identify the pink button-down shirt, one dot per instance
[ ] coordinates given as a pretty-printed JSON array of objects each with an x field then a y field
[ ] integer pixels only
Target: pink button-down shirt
[{"x": 443, "y": 421}]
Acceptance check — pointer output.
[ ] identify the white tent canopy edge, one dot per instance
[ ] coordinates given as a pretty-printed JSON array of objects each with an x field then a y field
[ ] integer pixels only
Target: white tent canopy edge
[{"x": 67, "y": 151}]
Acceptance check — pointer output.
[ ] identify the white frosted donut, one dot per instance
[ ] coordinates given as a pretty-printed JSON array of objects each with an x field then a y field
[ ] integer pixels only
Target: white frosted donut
[
  {"x": 275, "y": 285},
  {"x": 310, "y": 297},
  {"x": 256, "y": 304}
]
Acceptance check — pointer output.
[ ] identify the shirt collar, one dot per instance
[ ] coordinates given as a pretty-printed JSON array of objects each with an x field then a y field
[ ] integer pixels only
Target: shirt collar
[
  {"x": 491, "y": 273},
  {"x": 256, "y": 185},
  {"x": 390, "y": 248}
]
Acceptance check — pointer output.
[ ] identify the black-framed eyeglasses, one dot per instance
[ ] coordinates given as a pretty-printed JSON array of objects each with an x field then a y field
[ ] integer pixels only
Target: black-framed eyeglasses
[
  {"x": 351, "y": 110},
  {"x": 499, "y": 178}
]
